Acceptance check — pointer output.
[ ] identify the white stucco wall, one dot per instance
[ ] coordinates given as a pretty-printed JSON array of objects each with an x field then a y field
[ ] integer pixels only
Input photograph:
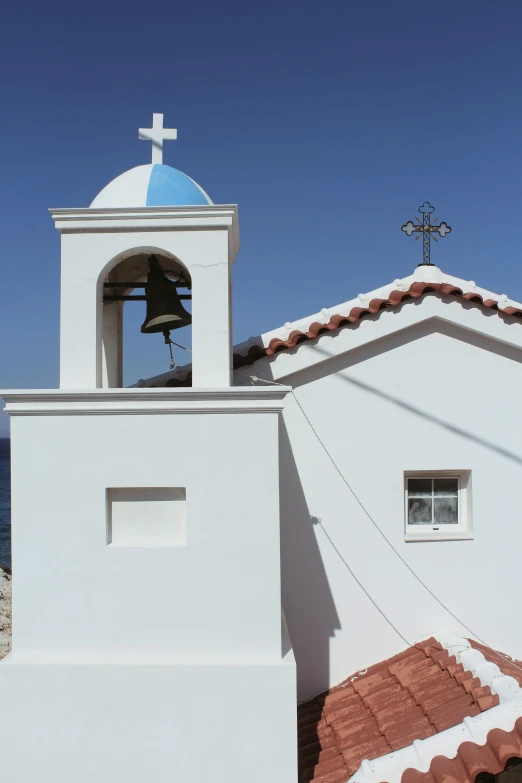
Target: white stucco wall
[
  {"x": 130, "y": 724},
  {"x": 220, "y": 592},
  {"x": 167, "y": 658},
  {"x": 93, "y": 241},
  {"x": 429, "y": 395}
]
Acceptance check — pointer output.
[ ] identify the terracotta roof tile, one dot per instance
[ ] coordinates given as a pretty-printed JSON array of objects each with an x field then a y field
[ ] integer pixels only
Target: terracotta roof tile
[
  {"x": 430, "y": 700},
  {"x": 338, "y": 321},
  {"x": 341, "y": 702},
  {"x": 414, "y": 695},
  {"x": 340, "y": 692},
  {"x": 368, "y": 750},
  {"x": 417, "y": 734},
  {"x": 472, "y": 759},
  {"x": 509, "y": 666},
  {"x": 331, "y": 765}
]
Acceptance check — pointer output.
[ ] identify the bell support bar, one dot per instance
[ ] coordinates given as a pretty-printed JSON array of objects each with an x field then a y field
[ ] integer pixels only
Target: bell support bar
[
  {"x": 136, "y": 298},
  {"x": 177, "y": 283},
  {"x": 140, "y": 297}
]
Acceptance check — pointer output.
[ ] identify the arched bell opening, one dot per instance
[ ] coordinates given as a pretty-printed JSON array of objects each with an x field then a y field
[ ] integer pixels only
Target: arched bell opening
[{"x": 146, "y": 316}]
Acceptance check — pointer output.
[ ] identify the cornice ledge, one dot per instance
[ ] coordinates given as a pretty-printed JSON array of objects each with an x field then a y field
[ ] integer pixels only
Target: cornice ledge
[
  {"x": 91, "y": 214},
  {"x": 208, "y": 217},
  {"x": 96, "y": 402}
]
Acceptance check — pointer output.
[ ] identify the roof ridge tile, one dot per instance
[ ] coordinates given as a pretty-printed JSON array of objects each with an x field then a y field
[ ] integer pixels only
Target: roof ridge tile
[
  {"x": 395, "y": 298},
  {"x": 432, "y": 702}
]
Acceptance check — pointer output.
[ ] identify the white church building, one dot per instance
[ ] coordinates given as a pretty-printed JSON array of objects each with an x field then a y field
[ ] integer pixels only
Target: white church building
[{"x": 173, "y": 607}]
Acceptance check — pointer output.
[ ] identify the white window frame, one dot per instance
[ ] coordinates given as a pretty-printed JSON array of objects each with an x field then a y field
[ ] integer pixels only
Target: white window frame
[{"x": 460, "y": 531}]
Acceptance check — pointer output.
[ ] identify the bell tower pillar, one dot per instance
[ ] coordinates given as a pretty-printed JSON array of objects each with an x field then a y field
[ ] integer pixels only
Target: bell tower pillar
[{"x": 205, "y": 240}]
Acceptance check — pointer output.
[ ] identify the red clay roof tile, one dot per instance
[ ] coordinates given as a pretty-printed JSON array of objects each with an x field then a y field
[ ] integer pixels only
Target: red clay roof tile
[
  {"x": 472, "y": 759},
  {"x": 453, "y": 717},
  {"x": 337, "y": 776},
  {"x": 467, "y": 680},
  {"x": 415, "y": 724},
  {"x": 368, "y": 750},
  {"x": 395, "y": 298},
  {"x": 340, "y": 692},
  {"x": 388, "y": 717},
  {"x": 329, "y": 766},
  {"x": 507, "y": 665},
  {"x": 487, "y": 702},
  {"x": 341, "y": 703},
  {"x": 407, "y": 739},
  {"x": 348, "y": 715},
  {"x": 439, "y": 699},
  {"x": 414, "y": 695}
]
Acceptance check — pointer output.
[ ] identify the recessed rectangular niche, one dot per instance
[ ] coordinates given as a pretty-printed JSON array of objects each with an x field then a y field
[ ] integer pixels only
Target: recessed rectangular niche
[{"x": 146, "y": 517}]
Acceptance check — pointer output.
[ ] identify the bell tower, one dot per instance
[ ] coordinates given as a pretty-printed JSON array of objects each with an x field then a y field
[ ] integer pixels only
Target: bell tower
[
  {"x": 149, "y": 210},
  {"x": 160, "y": 635}
]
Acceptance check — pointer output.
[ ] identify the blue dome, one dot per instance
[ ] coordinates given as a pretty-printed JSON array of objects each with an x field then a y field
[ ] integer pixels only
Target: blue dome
[{"x": 152, "y": 185}]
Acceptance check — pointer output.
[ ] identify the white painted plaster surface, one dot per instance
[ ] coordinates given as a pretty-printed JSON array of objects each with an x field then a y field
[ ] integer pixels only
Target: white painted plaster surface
[
  {"x": 147, "y": 662},
  {"x": 221, "y": 592},
  {"x": 127, "y": 188},
  {"x": 112, "y": 345},
  {"x": 157, "y": 135},
  {"x": 149, "y": 642},
  {"x": 434, "y": 397},
  {"x": 136, "y": 723},
  {"x": 432, "y": 385},
  {"x": 147, "y": 516},
  {"x": 204, "y": 239}
]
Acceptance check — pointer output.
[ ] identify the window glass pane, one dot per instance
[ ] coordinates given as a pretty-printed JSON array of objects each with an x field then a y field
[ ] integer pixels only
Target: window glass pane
[
  {"x": 419, "y": 511},
  {"x": 446, "y": 511},
  {"x": 446, "y": 486},
  {"x": 419, "y": 487}
]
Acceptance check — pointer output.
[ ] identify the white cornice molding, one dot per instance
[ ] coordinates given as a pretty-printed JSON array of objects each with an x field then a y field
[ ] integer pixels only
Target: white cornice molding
[
  {"x": 87, "y": 220},
  {"x": 96, "y": 402},
  {"x": 150, "y": 213}
]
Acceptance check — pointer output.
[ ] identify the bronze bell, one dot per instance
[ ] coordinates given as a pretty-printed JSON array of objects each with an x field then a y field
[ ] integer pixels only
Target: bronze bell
[{"x": 164, "y": 308}]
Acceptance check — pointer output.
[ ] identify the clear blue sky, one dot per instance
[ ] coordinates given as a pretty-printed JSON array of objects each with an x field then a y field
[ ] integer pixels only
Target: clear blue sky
[{"x": 327, "y": 122}]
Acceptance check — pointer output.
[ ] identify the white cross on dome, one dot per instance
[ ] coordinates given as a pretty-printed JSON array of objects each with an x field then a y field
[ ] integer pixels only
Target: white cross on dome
[{"x": 157, "y": 135}]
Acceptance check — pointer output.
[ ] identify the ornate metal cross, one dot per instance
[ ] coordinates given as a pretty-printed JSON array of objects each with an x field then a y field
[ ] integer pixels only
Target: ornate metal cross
[{"x": 427, "y": 229}]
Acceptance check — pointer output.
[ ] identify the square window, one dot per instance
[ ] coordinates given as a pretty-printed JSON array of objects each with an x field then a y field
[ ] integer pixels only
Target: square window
[{"x": 437, "y": 505}]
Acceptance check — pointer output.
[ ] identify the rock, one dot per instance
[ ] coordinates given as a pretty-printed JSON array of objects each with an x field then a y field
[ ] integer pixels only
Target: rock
[{"x": 5, "y": 613}]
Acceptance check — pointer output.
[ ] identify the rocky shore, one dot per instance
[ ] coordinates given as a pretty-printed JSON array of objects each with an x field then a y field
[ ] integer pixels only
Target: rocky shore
[{"x": 5, "y": 612}]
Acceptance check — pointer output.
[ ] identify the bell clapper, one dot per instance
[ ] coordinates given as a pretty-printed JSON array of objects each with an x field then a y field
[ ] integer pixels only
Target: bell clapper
[{"x": 170, "y": 343}]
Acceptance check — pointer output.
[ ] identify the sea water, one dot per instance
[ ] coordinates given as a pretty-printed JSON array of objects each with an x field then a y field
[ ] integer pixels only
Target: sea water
[{"x": 5, "y": 502}]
